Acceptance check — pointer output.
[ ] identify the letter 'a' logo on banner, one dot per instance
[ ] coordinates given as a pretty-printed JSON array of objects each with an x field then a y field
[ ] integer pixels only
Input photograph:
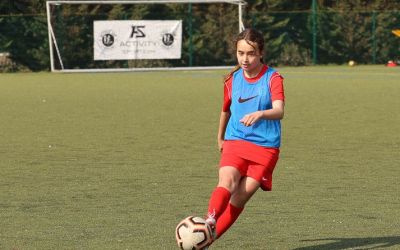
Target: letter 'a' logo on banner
[
  {"x": 127, "y": 40},
  {"x": 137, "y": 31}
]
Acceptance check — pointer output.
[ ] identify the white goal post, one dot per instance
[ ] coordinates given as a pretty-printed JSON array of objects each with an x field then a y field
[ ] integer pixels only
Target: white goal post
[{"x": 57, "y": 57}]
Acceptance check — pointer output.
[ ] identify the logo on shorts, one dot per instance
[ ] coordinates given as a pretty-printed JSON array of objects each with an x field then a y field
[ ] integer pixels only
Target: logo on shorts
[
  {"x": 242, "y": 100},
  {"x": 264, "y": 179}
]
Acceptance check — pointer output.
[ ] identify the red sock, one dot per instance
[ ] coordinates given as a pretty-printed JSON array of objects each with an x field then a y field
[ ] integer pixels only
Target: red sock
[
  {"x": 227, "y": 218},
  {"x": 219, "y": 200}
]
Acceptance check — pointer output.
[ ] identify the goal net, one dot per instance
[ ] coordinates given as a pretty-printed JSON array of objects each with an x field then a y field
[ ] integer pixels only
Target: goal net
[{"x": 133, "y": 35}]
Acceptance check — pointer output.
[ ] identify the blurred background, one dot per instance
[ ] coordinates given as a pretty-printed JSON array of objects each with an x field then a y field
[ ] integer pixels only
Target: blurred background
[{"x": 297, "y": 33}]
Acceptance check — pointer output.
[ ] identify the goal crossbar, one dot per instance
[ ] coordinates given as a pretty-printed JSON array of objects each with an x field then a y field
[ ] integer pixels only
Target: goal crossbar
[{"x": 238, "y": 2}]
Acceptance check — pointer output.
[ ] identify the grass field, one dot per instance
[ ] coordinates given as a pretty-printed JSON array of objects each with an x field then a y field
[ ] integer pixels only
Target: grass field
[{"x": 115, "y": 161}]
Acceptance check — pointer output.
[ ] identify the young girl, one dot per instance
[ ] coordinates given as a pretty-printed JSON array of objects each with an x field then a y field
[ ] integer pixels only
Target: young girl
[{"x": 249, "y": 132}]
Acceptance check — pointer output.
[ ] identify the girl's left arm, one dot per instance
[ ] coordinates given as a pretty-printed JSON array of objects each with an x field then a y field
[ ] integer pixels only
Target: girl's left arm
[{"x": 276, "y": 113}]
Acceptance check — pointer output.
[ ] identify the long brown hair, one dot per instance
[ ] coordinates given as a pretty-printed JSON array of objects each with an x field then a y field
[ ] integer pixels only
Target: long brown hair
[{"x": 250, "y": 35}]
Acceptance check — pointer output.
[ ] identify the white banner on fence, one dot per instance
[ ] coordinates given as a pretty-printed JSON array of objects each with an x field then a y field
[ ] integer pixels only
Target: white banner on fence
[{"x": 126, "y": 40}]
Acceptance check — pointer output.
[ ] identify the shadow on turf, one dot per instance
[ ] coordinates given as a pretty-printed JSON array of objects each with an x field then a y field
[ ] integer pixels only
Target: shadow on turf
[{"x": 354, "y": 243}]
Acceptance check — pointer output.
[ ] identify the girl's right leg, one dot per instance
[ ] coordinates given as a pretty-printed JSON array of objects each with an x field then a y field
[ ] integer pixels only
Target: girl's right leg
[{"x": 228, "y": 181}]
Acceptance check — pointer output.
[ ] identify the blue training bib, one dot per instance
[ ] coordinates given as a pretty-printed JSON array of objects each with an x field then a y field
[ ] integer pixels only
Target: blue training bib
[{"x": 247, "y": 98}]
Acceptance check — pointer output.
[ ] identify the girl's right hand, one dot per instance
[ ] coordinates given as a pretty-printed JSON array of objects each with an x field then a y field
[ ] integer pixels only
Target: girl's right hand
[{"x": 220, "y": 145}]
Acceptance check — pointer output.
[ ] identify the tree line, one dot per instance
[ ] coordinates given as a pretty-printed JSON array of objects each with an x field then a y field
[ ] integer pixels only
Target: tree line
[{"x": 333, "y": 32}]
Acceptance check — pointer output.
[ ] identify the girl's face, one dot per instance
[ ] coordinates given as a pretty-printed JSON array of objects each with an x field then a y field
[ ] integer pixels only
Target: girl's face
[{"x": 249, "y": 56}]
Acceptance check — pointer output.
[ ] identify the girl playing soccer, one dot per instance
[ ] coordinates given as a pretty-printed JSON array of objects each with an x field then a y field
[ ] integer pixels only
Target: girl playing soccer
[{"x": 249, "y": 132}]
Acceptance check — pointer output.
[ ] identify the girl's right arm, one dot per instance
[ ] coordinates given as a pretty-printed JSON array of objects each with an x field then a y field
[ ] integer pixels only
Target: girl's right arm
[
  {"x": 223, "y": 122},
  {"x": 225, "y": 113}
]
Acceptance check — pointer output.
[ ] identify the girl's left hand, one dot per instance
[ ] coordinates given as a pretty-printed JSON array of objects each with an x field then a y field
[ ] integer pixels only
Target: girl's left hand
[{"x": 251, "y": 118}]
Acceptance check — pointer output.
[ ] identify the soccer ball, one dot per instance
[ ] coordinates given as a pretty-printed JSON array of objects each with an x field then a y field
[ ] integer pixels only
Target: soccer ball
[
  {"x": 193, "y": 233},
  {"x": 352, "y": 63}
]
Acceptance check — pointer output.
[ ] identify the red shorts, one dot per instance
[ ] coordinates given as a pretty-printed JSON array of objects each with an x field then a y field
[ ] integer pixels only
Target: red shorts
[{"x": 251, "y": 160}]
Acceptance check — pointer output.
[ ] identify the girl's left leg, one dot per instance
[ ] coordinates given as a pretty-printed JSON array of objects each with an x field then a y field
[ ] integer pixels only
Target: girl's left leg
[{"x": 247, "y": 187}]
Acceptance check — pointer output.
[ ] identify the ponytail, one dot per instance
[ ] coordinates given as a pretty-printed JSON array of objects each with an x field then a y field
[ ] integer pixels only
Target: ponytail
[{"x": 228, "y": 76}]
